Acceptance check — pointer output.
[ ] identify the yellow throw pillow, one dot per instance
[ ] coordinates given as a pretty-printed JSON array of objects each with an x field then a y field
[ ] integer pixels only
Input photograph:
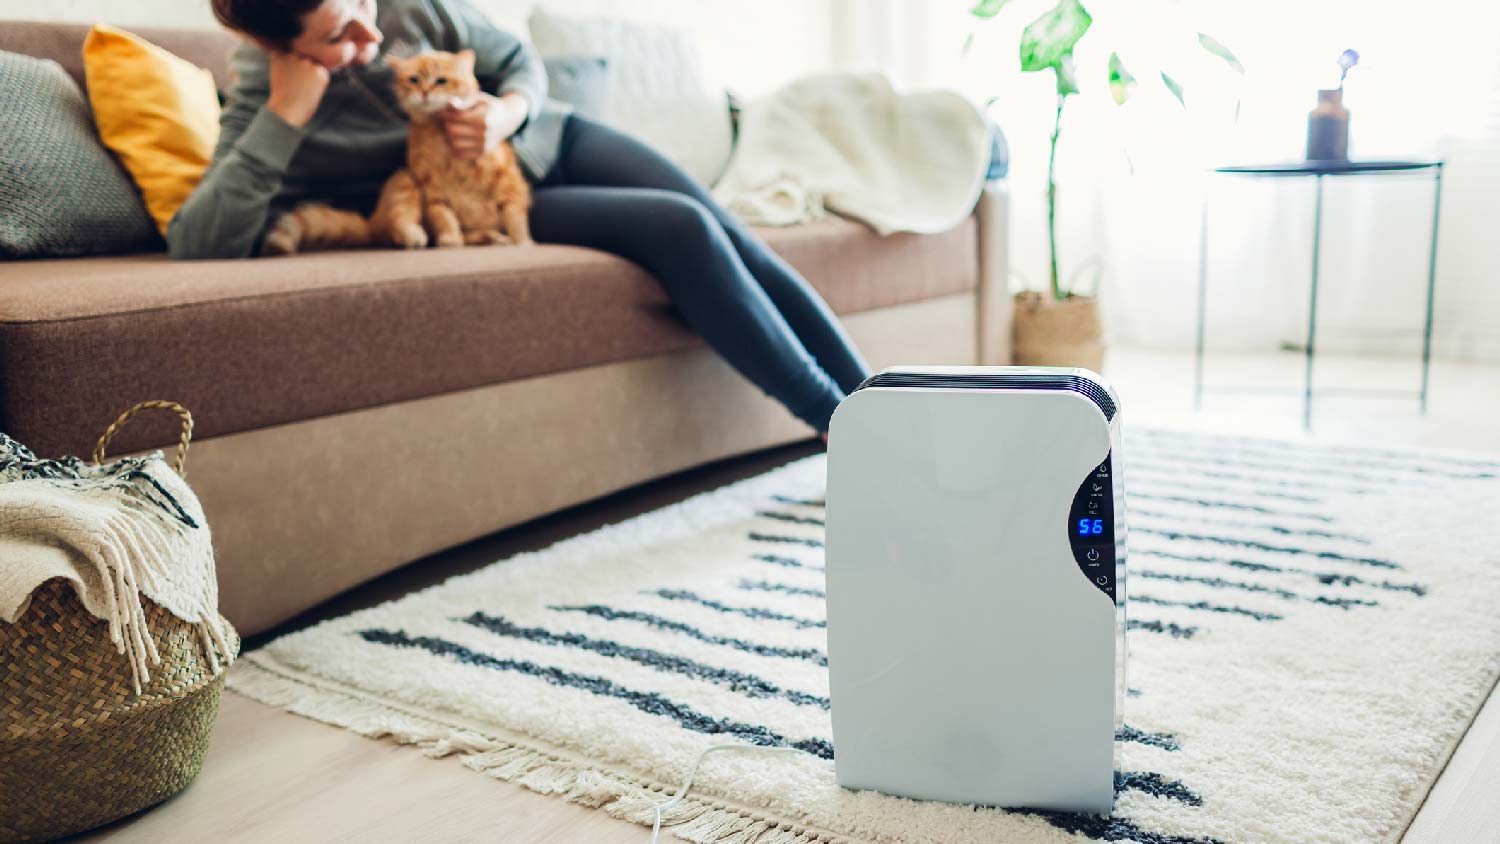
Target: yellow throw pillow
[{"x": 159, "y": 114}]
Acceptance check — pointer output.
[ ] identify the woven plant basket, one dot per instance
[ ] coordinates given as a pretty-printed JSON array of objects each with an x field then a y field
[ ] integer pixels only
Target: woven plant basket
[
  {"x": 78, "y": 746},
  {"x": 1048, "y": 332}
]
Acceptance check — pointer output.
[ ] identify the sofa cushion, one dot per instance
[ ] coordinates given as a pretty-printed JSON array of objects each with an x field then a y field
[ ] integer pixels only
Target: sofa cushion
[
  {"x": 61, "y": 193},
  {"x": 579, "y": 81},
  {"x": 63, "y": 43},
  {"x": 250, "y": 344},
  {"x": 657, "y": 88},
  {"x": 160, "y": 114}
]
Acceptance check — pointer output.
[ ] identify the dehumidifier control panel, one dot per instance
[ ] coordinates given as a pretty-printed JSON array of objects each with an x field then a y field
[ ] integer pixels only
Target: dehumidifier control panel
[{"x": 1091, "y": 527}]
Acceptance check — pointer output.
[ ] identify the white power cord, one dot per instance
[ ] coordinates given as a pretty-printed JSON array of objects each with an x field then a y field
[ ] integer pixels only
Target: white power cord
[{"x": 688, "y": 783}]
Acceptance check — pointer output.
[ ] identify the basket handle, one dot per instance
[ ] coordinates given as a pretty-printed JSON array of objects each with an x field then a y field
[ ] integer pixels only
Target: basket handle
[{"x": 182, "y": 443}]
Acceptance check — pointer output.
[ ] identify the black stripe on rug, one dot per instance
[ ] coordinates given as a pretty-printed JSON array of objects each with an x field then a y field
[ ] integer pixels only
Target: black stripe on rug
[
  {"x": 785, "y": 540},
  {"x": 1204, "y": 606},
  {"x": 757, "y": 613},
  {"x": 1236, "y": 471},
  {"x": 1325, "y": 578},
  {"x": 1164, "y": 741},
  {"x": 1176, "y": 631},
  {"x": 1220, "y": 583},
  {"x": 1175, "y": 480},
  {"x": 805, "y": 502},
  {"x": 1236, "y": 542},
  {"x": 1193, "y": 469},
  {"x": 1156, "y": 785},
  {"x": 650, "y": 703},
  {"x": 748, "y": 685},
  {"x": 785, "y": 588},
  {"x": 651, "y": 620},
  {"x": 1280, "y": 530},
  {"x": 1221, "y": 504},
  {"x": 789, "y": 562},
  {"x": 789, "y": 517}
]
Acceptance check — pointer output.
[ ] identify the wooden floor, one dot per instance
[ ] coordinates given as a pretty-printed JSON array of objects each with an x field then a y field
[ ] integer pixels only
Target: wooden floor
[{"x": 275, "y": 777}]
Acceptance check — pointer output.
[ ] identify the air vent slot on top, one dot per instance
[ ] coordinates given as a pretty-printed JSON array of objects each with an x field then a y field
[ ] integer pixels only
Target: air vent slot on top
[{"x": 1086, "y": 387}]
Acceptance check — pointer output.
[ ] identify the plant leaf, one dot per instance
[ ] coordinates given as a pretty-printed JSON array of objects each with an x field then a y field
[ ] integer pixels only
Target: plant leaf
[
  {"x": 1212, "y": 45},
  {"x": 1067, "y": 77},
  {"x": 1121, "y": 83},
  {"x": 988, "y": 8},
  {"x": 1047, "y": 39},
  {"x": 1175, "y": 88}
]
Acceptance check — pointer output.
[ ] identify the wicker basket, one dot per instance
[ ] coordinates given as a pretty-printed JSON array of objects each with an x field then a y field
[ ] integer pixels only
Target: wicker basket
[
  {"x": 78, "y": 747},
  {"x": 1058, "y": 333}
]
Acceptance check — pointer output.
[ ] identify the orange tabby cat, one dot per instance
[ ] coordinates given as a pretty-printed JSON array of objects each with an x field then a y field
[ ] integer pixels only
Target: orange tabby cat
[
  {"x": 457, "y": 201},
  {"x": 438, "y": 198}
]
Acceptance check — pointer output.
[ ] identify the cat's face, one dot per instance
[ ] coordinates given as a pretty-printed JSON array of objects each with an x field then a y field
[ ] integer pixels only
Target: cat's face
[{"x": 428, "y": 83}]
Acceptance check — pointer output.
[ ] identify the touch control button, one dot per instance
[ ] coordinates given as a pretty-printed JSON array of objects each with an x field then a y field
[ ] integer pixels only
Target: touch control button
[{"x": 1092, "y": 555}]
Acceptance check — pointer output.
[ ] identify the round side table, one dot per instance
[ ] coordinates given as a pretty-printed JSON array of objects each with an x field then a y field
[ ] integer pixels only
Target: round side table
[{"x": 1318, "y": 170}]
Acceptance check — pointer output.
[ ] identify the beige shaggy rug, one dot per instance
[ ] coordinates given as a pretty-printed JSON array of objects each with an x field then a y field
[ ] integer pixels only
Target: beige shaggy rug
[{"x": 1311, "y": 629}]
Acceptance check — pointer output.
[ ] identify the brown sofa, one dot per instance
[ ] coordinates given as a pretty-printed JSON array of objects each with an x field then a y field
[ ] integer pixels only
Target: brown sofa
[{"x": 359, "y": 410}]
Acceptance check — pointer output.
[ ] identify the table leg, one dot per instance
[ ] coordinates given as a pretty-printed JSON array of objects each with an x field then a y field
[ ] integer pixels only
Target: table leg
[
  {"x": 1202, "y": 300},
  {"x": 1437, "y": 203},
  {"x": 1312, "y": 304}
]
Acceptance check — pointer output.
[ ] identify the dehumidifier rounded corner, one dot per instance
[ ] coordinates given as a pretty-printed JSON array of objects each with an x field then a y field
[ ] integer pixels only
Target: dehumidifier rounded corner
[{"x": 842, "y": 411}]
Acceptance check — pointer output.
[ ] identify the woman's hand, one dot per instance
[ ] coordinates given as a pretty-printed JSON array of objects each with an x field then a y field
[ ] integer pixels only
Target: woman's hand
[
  {"x": 297, "y": 86},
  {"x": 483, "y": 123}
]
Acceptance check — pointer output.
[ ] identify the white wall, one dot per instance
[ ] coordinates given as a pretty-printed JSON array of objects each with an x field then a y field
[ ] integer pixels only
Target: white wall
[
  {"x": 124, "y": 13},
  {"x": 751, "y": 48}
]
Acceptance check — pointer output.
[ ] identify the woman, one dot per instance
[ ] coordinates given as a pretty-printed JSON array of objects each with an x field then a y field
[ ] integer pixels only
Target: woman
[{"x": 311, "y": 116}]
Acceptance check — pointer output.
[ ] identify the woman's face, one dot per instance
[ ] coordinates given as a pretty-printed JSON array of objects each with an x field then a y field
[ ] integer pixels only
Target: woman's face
[{"x": 339, "y": 33}]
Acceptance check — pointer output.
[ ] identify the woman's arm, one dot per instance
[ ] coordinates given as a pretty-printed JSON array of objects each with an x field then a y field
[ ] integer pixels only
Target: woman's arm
[{"x": 258, "y": 134}]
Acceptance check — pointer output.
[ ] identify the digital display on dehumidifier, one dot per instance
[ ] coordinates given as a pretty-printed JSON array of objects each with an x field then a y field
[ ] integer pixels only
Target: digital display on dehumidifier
[{"x": 1091, "y": 529}]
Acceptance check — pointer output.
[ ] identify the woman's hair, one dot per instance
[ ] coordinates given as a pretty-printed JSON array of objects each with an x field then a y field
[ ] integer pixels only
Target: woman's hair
[{"x": 276, "y": 22}]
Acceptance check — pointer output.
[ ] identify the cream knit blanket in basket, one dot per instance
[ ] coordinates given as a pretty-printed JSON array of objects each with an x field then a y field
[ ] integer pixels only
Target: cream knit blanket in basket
[{"x": 120, "y": 530}]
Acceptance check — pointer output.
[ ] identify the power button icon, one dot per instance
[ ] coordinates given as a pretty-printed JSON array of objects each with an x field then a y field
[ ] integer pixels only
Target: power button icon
[{"x": 1092, "y": 555}]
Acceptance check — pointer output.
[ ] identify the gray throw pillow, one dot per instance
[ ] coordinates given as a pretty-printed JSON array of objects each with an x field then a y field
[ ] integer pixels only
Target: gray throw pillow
[
  {"x": 580, "y": 81},
  {"x": 61, "y": 192}
]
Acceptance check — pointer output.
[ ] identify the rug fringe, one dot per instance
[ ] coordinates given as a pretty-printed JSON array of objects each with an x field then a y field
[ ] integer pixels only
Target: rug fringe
[{"x": 690, "y": 820}]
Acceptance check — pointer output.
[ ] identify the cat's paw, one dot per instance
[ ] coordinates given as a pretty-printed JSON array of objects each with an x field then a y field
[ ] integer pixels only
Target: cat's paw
[
  {"x": 450, "y": 239},
  {"x": 409, "y": 236},
  {"x": 280, "y": 241},
  {"x": 487, "y": 237}
]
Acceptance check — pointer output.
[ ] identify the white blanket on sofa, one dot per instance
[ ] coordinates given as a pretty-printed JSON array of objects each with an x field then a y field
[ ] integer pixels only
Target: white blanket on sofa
[{"x": 850, "y": 144}]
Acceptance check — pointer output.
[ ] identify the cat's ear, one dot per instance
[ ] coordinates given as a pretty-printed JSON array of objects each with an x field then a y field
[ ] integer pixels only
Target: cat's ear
[
  {"x": 466, "y": 60},
  {"x": 397, "y": 64}
]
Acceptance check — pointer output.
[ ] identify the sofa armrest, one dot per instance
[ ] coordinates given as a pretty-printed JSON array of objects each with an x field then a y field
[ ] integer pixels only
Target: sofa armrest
[{"x": 995, "y": 304}]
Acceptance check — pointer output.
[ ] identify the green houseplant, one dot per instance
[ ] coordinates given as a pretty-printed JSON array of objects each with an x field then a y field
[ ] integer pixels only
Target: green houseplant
[{"x": 1062, "y": 327}]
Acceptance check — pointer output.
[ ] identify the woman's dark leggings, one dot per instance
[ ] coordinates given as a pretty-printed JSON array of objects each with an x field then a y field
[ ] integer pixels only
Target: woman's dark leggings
[{"x": 611, "y": 192}]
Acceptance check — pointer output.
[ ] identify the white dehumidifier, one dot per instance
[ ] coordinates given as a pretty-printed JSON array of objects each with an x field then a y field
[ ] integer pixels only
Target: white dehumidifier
[{"x": 975, "y": 579}]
